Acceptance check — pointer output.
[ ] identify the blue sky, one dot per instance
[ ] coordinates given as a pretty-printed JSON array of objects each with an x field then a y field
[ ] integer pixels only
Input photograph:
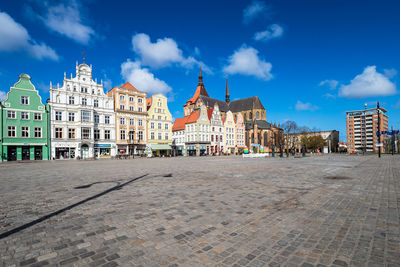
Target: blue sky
[{"x": 308, "y": 61}]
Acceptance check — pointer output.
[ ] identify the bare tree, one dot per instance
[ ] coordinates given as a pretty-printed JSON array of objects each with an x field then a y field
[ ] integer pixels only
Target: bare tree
[{"x": 290, "y": 128}]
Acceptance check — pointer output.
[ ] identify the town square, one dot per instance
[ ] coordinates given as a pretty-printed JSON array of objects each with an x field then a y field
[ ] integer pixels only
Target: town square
[
  {"x": 337, "y": 210},
  {"x": 214, "y": 133}
]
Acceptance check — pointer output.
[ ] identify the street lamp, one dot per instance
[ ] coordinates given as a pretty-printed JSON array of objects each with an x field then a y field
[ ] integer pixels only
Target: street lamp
[{"x": 379, "y": 131}]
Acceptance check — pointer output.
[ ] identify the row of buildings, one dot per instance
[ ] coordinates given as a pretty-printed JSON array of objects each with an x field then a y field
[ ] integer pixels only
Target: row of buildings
[
  {"x": 80, "y": 120},
  {"x": 211, "y": 126}
]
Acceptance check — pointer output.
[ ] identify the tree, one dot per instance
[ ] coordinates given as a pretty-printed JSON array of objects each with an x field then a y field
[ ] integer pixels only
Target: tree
[
  {"x": 313, "y": 142},
  {"x": 290, "y": 128}
]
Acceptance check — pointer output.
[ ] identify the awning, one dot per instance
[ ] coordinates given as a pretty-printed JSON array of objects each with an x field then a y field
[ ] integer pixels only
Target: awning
[{"x": 160, "y": 147}]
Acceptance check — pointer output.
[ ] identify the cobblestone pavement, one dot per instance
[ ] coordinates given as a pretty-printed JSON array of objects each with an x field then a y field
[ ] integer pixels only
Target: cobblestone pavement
[{"x": 335, "y": 210}]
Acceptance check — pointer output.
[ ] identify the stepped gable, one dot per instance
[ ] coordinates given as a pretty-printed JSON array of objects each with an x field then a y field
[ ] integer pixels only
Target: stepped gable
[{"x": 246, "y": 104}]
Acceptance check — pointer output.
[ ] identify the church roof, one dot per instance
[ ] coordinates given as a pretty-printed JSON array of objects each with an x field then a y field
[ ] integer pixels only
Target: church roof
[
  {"x": 128, "y": 85},
  {"x": 246, "y": 104},
  {"x": 210, "y": 102},
  {"x": 261, "y": 124}
]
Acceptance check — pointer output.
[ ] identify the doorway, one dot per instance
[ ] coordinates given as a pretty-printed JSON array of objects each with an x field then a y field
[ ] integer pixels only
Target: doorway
[
  {"x": 38, "y": 153},
  {"x": 85, "y": 151},
  {"x": 26, "y": 153},
  {"x": 12, "y": 153}
]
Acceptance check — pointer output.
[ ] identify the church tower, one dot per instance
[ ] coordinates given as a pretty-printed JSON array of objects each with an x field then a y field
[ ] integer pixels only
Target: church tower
[{"x": 227, "y": 98}]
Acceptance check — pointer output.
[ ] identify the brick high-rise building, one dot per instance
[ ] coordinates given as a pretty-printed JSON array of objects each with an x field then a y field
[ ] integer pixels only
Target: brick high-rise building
[{"x": 362, "y": 126}]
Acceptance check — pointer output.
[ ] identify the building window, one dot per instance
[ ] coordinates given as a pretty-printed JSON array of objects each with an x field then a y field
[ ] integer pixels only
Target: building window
[
  {"x": 159, "y": 136},
  {"x": 212, "y": 138},
  {"x": 71, "y": 100},
  {"x": 122, "y": 97},
  {"x": 59, "y": 133},
  {"x": 38, "y": 132},
  {"x": 107, "y": 134},
  {"x": 24, "y": 131},
  {"x": 122, "y": 107},
  {"x": 131, "y": 122},
  {"x": 159, "y": 125},
  {"x": 140, "y": 100},
  {"x": 122, "y": 121},
  {"x": 131, "y": 108},
  {"x": 84, "y": 101},
  {"x": 216, "y": 138},
  {"x": 140, "y": 109},
  {"x": 152, "y": 125},
  {"x": 71, "y": 133},
  {"x": 71, "y": 116},
  {"x": 107, "y": 119},
  {"x": 96, "y": 134},
  {"x": 166, "y": 136},
  {"x": 96, "y": 103},
  {"x": 131, "y": 135},
  {"x": 96, "y": 118},
  {"x": 24, "y": 115},
  {"x": 152, "y": 135},
  {"x": 140, "y": 122},
  {"x": 24, "y": 100},
  {"x": 85, "y": 115},
  {"x": 159, "y": 118},
  {"x": 140, "y": 135},
  {"x": 122, "y": 136},
  {"x": 11, "y": 114},
  {"x": 11, "y": 131},
  {"x": 85, "y": 133},
  {"x": 131, "y": 99},
  {"x": 58, "y": 115},
  {"x": 37, "y": 116},
  {"x": 166, "y": 126}
]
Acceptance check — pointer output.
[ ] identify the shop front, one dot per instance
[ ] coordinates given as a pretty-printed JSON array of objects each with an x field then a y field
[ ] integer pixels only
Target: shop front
[
  {"x": 24, "y": 152},
  {"x": 102, "y": 150},
  {"x": 179, "y": 151},
  {"x": 160, "y": 150},
  {"x": 140, "y": 148},
  {"x": 203, "y": 150},
  {"x": 65, "y": 152},
  {"x": 191, "y": 150}
]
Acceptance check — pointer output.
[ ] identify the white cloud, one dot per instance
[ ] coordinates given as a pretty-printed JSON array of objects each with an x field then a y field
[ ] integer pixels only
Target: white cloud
[
  {"x": 3, "y": 96},
  {"x": 332, "y": 84},
  {"x": 163, "y": 53},
  {"x": 397, "y": 105},
  {"x": 14, "y": 37},
  {"x": 329, "y": 96},
  {"x": 305, "y": 106},
  {"x": 65, "y": 19},
  {"x": 246, "y": 61},
  {"x": 390, "y": 73},
  {"x": 253, "y": 10},
  {"x": 142, "y": 78},
  {"x": 367, "y": 84},
  {"x": 273, "y": 31}
]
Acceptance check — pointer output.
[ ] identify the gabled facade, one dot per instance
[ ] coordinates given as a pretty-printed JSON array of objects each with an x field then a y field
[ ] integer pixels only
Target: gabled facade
[
  {"x": 197, "y": 128},
  {"x": 217, "y": 130},
  {"x": 130, "y": 119},
  {"x": 24, "y": 124},
  {"x": 179, "y": 137},
  {"x": 82, "y": 118},
  {"x": 159, "y": 126},
  {"x": 240, "y": 132},
  {"x": 229, "y": 134}
]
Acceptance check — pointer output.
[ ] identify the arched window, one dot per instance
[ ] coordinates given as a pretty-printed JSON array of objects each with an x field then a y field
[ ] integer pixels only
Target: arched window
[
  {"x": 250, "y": 115},
  {"x": 252, "y": 137},
  {"x": 245, "y": 117},
  {"x": 265, "y": 139},
  {"x": 259, "y": 138},
  {"x": 258, "y": 115}
]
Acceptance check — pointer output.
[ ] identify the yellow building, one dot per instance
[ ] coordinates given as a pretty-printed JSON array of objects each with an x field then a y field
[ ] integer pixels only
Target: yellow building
[
  {"x": 130, "y": 119},
  {"x": 159, "y": 126}
]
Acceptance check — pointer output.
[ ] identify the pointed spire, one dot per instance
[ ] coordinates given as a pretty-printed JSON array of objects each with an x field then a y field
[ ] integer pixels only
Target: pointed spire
[
  {"x": 227, "y": 98},
  {"x": 200, "y": 77}
]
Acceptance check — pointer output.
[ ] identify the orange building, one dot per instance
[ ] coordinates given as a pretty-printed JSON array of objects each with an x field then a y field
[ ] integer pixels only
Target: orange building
[
  {"x": 130, "y": 119},
  {"x": 362, "y": 126}
]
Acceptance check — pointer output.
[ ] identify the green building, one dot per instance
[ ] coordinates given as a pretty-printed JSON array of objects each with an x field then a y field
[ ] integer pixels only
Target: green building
[{"x": 24, "y": 124}]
